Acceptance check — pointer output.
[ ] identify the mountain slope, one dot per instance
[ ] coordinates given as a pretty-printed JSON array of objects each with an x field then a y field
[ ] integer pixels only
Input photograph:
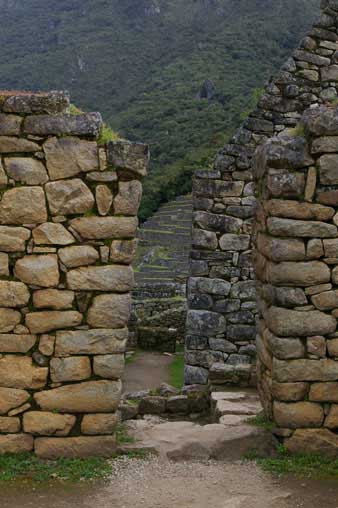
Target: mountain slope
[{"x": 142, "y": 63}]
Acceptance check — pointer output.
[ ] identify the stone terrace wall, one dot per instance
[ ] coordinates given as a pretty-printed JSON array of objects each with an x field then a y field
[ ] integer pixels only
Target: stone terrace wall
[
  {"x": 297, "y": 271},
  {"x": 220, "y": 331},
  {"x": 68, "y": 220},
  {"x": 161, "y": 270}
]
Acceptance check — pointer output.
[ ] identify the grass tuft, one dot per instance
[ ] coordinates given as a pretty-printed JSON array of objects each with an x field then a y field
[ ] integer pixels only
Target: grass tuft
[
  {"x": 176, "y": 369},
  {"x": 301, "y": 465},
  {"x": 29, "y": 466},
  {"x": 261, "y": 421}
]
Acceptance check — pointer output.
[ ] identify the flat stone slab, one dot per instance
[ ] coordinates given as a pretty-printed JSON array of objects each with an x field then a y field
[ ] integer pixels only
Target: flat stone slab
[
  {"x": 234, "y": 420},
  {"x": 234, "y": 396},
  {"x": 188, "y": 441},
  {"x": 249, "y": 408}
]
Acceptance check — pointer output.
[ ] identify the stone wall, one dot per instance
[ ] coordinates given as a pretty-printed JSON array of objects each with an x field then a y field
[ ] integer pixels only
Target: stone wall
[
  {"x": 221, "y": 329},
  {"x": 296, "y": 264},
  {"x": 68, "y": 215}
]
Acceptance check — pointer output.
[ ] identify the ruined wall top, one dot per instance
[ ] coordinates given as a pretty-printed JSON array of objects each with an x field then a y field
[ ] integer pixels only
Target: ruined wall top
[{"x": 222, "y": 302}]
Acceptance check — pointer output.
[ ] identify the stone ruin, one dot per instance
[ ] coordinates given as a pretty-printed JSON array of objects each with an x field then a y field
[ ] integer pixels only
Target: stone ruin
[
  {"x": 68, "y": 221},
  {"x": 222, "y": 308},
  {"x": 68, "y": 215},
  {"x": 296, "y": 261}
]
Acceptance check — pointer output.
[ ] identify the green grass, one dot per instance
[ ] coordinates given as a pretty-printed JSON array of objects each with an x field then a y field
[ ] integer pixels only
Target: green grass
[
  {"x": 302, "y": 465},
  {"x": 261, "y": 421},
  {"x": 28, "y": 466},
  {"x": 176, "y": 369},
  {"x": 122, "y": 435}
]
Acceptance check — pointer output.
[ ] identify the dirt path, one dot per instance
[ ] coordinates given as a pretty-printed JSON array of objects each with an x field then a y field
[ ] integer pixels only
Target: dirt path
[
  {"x": 155, "y": 484},
  {"x": 147, "y": 371}
]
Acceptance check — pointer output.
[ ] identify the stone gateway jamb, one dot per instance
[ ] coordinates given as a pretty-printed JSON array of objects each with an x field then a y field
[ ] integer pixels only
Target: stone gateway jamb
[
  {"x": 222, "y": 310},
  {"x": 68, "y": 219}
]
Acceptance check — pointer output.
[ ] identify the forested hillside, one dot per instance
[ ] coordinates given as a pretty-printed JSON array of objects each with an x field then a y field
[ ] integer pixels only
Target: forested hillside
[{"x": 142, "y": 63}]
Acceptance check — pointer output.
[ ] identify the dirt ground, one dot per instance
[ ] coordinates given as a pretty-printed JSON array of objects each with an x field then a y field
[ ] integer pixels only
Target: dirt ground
[
  {"x": 146, "y": 372},
  {"x": 150, "y": 483}
]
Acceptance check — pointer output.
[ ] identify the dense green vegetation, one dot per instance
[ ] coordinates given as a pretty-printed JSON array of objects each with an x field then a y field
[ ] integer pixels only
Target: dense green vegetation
[{"x": 142, "y": 63}]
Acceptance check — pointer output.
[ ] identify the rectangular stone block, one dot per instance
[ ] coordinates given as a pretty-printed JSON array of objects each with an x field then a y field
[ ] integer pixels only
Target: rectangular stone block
[
  {"x": 86, "y": 397},
  {"x": 16, "y": 443},
  {"x": 43, "y": 423},
  {"x": 19, "y": 372},
  {"x": 92, "y": 342},
  {"x": 117, "y": 278},
  {"x": 13, "y": 343},
  {"x": 88, "y": 124},
  {"x": 102, "y": 228},
  {"x": 97, "y": 424},
  {"x": 305, "y": 370},
  {"x": 74, "y": 447},
  {"x": 9, "y": 425}
]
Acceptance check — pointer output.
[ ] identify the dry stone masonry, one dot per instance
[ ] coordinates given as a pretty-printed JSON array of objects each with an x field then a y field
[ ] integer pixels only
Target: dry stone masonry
[
  {"x": 68, "y": 218},
  {"x": 296, "y": 262},
  {"x": 220, "y": 332}
]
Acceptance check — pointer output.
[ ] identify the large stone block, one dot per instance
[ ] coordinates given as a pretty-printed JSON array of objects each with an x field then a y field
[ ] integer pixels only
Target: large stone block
[
  {"x": 291, "y": 323},
  {"x": 128, "y": 199},
  {"x": 289, "y": 392},
  {"x": 217, "y": 222},
  {"x": 87, "y": 124},
  {"x": 69, "y": 197},
  {"x": 92, "y": 342},
  {"x": 96, "y": 424},
  {"x": 308, "y": 273},
  {"x": 109, "y": 366},
  {"x": 17, "y": 145},
  {"x": 298, "y": 414},
  {"x": 205, "y": 323},
  {"x": 133, "y": 157},
  {"x": 86, "y": 397},
  {"x": 53, "y": 298},
  {"x": 204, "y": 239},
  {"x": 9, "y": 318},
  {"x": 298, "y": 210},
  {"x": 109, "y": 311},
  {"x": 102, "y": 228},
  {"x": 23, "y": 205},
  {"x": 287, "y": 185},
  {"x": 78, "y": 255},
  {"x": 46, "y": 321},
  {"x": 36, "y": 102},
  {"x": 13, "y": 294},
  {"x": 305, "y": 370},
  {"x": 69, "y": 156},
  {"x": 16, "y": 443},
  {"x": 123, "y": 251},
  {"x": 315, "y": 441},
  {"x": 26, "y": 170},
  {"x": 75, "y": 447},
  {"x": 9, "y": 425},
  {"x": 19, "y": 372},
  {"x": 75, "y": 368},
  {"x": 43, "y": 423},
  {"x": 38, "y": 270},
  {"x": 281, "y": 249},
  {"x": 324, "y": 392},
  {"x": 52, "y": 234},
  {"x": 298, "y": 228},
  {"x": 13, "y": 239},
  {"x": 101, "y": 278},
  {"x": 233, "y": 242},
  {"x": 328, "y": 169},
  {"x": 11, "y": 398},
  {"x": 14, "y": 343}
]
